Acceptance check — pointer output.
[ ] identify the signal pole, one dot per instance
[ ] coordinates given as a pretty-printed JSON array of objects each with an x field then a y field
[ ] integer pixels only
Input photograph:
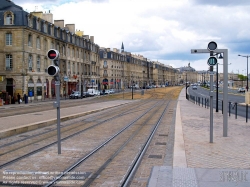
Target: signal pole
[{"x": 53, "y": 70}]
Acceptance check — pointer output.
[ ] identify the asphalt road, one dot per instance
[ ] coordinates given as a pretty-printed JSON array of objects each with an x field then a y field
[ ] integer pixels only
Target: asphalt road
[{"x": 233, "y": 97}]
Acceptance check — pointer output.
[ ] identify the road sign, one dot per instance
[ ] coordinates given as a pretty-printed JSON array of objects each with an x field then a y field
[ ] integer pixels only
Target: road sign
[
  {"x": 212, "y": 61},
  {"x": 66, "y": 79},
  {"x": 92, "y": 80}
]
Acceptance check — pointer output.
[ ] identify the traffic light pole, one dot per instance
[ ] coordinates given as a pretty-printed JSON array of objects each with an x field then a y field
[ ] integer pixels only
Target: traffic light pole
[
  {"x": 57, "y": 84},
  {"x": 211, "y": 105},
  {"x": 54, "y": 70}
]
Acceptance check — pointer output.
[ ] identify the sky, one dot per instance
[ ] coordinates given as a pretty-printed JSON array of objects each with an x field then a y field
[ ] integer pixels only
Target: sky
[{"x": 160, "y": 30}]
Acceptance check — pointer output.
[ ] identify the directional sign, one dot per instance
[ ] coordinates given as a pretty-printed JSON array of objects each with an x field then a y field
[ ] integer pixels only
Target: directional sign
[{"x": 212, "y": 61}]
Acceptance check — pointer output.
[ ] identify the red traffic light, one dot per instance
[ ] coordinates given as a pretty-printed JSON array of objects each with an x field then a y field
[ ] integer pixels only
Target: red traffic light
[{"x": 53, "y": 54}]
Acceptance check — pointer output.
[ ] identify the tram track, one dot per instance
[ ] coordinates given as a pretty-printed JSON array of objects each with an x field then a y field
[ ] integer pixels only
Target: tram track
[
  {"x": 87, "y": 126},
  {"x": 108, "y": 139},
  {"x": 96, "y": 149}
]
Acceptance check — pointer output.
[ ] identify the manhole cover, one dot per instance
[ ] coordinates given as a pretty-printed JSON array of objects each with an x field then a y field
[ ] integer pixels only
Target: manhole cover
[
  {"x": 163, "y": 134},
  {"x": 160, "y": 143},
  {"x": 155, "y": 156}
]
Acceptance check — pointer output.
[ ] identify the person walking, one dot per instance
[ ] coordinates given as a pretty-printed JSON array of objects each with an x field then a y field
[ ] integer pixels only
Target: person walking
[{"x": 18, "y": 98}]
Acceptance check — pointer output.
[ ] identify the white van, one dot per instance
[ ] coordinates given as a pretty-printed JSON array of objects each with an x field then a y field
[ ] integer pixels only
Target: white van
[{"x": 93, "y": 92}]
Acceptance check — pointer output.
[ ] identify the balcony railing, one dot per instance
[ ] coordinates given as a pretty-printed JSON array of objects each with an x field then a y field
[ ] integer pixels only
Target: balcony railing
[
  {"x": 105, "y": 75},
  {"x": 105, "y": 66}
]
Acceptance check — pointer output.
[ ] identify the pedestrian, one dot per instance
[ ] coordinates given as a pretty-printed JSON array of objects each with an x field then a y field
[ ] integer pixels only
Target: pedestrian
[{"x": 18, "y": 98}]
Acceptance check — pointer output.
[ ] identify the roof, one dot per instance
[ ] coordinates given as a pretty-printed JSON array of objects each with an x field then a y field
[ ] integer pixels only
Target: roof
[{"x": 8, "y": 4}]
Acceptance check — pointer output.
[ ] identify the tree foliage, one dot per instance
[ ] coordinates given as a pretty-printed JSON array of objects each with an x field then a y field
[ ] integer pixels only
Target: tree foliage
[{"x": 242, "y": 77}]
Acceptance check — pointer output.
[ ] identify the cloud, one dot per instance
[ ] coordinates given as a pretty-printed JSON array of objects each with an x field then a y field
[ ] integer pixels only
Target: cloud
[{"x": 160, "y": 30}]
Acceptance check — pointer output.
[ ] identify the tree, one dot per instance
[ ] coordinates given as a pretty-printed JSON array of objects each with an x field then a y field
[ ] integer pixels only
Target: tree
[{"x": 242, "y": 77}]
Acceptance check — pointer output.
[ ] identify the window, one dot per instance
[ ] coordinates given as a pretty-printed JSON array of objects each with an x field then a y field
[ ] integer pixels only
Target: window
[
  {"x": 8, "y": 62},
  {"x": 38, "y": 64},
  {"x": 30, "y": 62},
  {"x": 45, "y": 27},
  {"x": 37, "y": 25},
  {"x": 30, "y": 40},
  {"x": 8, "y": 38},
  {"x": 73, "y": 67},
  {"x": 52, "y": 45},
  {"x": 69, "y": 66},
  {"x": 45, "y": 64},
  {"x": 9, "y": 19},
  {"x": 38, "y": 43},
  {"x": 63, "y": 50},
  {"x": 45, "y": 45}
]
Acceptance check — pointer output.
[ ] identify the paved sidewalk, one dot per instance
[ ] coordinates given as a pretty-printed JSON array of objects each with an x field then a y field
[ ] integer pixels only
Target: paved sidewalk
[
  {"x": 17, "y": 124},
  {"x": 198, "y": 163}
]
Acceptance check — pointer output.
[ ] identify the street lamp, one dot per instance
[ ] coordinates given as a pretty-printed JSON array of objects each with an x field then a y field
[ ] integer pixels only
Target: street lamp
[
  {"x": 217, "y": 84},
  {"x": 247, "y": 68},
  {"x": 132, "y": 86}
]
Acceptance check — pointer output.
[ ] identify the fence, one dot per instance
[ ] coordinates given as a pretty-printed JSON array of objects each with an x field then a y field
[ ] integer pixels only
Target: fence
[{"x": 233, "y": 107}]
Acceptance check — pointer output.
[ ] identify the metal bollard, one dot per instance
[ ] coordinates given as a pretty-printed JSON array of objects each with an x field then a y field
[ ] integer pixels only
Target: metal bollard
[
  {"x": 229, "y": 108},
  {"x": 246, "y": 112},
  {"x": 222, "y": 107},
  {"x": 235, "y": 110}
]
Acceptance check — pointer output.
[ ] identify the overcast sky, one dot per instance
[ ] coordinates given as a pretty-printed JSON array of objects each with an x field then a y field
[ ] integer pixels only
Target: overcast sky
[{"x": 163, "y": 30}]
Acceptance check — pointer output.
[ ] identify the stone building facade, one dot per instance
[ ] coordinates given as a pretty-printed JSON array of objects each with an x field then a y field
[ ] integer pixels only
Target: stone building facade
[
  {"x": 25, "y": 39},
  {"x": 120, "y": 69}
]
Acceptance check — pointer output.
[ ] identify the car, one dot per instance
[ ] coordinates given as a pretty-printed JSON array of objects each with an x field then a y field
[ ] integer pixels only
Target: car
[
  {"x": 92, "y": 92},
  {"x": 241, "y": 90},
  {"x": 107, "y": 91},
  {"x": 111, "y": 91},
  {"x": 75, "y": 95},
  {"x": 194, "y": 87}
]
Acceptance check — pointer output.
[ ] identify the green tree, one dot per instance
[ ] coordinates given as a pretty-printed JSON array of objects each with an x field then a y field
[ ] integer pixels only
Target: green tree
[{"x": 242, "y": 77}]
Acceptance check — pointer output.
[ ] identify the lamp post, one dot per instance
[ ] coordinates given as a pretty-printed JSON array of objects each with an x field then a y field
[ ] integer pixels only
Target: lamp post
[
  {"x": 132, "y": 86},
  {"x": 247, "y": 68},
  {"x": 186, "y": 86}
]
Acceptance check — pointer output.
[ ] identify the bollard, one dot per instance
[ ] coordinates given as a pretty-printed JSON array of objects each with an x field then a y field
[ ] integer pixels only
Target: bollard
[
  {"x": 222, "y": 107},
  {"x": 202, "y": 101},
  {"x": 235, "y": 110},
  {"x": 229, "y": 108},
  {"x": 246, "y": 112}
]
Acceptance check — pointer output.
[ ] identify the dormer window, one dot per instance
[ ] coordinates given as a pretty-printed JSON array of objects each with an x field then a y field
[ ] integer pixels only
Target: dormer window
[
  {"x": 45, "y": 27},
  {"x": 8, "y": 18}
]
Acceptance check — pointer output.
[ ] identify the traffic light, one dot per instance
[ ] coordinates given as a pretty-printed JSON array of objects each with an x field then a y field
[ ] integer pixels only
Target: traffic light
[
  {"x": 212, "y": 59},
  {"x": 53, "y": 70}
]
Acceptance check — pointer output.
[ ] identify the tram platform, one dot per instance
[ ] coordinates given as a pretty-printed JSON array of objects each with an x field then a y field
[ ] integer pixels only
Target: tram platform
[
  {"x": 199, "y": 163},
  {"x": 12, "y": 125}
]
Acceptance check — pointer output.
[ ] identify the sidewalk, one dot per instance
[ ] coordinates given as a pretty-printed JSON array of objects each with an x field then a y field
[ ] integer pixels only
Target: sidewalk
[
  {"x": 198, "y": 163},
  {"x": 17, "y": 124}
]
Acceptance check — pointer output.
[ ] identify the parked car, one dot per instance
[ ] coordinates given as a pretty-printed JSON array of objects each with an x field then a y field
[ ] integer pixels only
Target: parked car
[
  {"x": 241, "y": 90},
  {"x": 107, "y": 92},
  {"x": 75, "y": 95},
  {"x": 91, "y": 92},
  {"x": 111, "y": 91}
]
